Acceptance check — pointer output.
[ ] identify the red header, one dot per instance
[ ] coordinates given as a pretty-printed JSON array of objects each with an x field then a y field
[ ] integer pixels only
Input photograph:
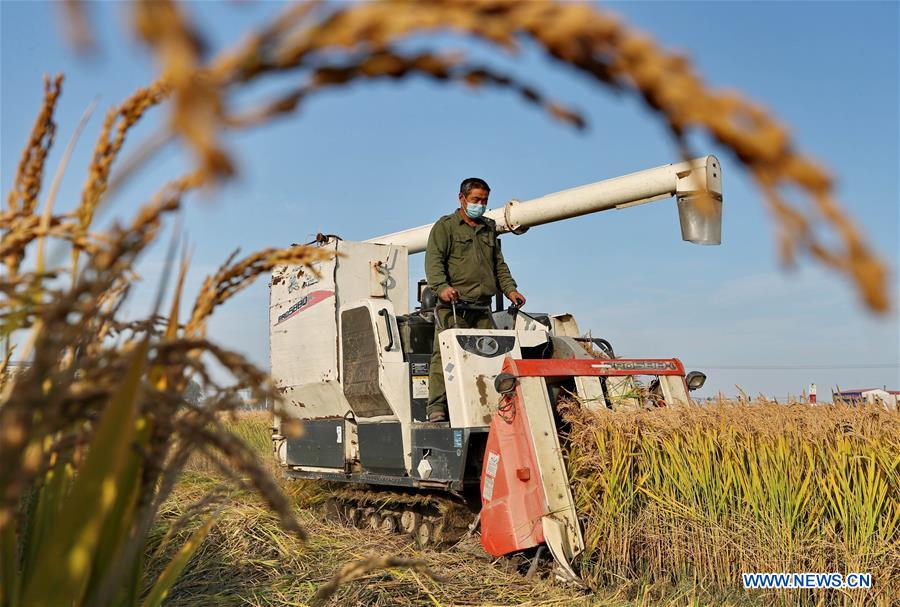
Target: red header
[{"x": 595, "y": 366}]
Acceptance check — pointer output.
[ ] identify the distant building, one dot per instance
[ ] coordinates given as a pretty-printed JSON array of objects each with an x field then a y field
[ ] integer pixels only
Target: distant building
[{"x": 887, "y": 398}]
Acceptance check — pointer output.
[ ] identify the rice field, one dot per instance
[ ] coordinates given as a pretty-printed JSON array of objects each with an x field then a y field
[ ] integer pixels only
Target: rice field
[
  {"x": 253, "y": 428},
  {"x": 676, "y": 504},
  {"x": 702, "y": 495}
]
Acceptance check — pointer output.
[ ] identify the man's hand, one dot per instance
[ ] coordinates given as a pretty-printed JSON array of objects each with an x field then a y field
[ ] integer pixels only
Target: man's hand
[
  {"x": 449, "y": 294},
  {"x": 517, "y": 298}
]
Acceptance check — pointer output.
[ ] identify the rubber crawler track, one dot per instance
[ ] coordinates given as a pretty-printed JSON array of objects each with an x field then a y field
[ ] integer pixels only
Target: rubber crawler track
[{"x": 432, "y": 519}]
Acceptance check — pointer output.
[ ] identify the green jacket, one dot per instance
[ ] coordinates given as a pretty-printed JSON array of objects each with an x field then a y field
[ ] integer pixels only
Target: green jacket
[{"x": 466, "y": 258}]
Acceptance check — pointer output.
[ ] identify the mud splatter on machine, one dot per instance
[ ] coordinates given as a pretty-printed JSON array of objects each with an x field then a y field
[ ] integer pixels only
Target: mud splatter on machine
[{"x": 351, "y": 362}]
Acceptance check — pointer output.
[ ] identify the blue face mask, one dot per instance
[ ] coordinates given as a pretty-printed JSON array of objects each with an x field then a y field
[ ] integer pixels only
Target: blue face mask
[{"x": 475, "y": 210}]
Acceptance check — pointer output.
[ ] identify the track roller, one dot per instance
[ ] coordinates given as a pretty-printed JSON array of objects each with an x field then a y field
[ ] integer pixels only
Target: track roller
[
  {"x": 425, "y": 534},
  {"x": 353, "y": 516},
  {"x": 372, "y": 518},
  {"x": 430, "y": 520},
  {"x": 388, "y": 522},
  {"x": 409, "y": 521}
]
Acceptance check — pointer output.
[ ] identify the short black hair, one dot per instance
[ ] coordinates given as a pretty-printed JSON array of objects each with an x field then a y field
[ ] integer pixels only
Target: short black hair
[{"x": 473, "y": 183}]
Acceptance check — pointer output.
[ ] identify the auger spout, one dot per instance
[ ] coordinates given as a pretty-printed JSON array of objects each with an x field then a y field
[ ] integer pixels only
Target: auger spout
[{"x": 697, "y": 185}]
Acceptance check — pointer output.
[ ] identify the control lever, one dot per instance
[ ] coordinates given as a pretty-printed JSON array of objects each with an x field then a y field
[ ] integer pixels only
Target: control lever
[
  {"x": 463, "y": 306},
  {"x": 513, "y": 309}
]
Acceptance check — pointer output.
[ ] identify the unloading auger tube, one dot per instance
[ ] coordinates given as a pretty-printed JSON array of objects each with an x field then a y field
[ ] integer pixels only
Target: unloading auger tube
[{"x": 697, "y": 185}]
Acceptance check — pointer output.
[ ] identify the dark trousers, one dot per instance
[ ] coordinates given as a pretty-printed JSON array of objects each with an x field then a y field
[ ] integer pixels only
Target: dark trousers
[{"x": 469, "y": 319}]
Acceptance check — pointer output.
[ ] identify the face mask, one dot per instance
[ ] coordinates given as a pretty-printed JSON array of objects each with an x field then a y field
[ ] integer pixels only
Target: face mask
[{"x": 475, "y": 210}]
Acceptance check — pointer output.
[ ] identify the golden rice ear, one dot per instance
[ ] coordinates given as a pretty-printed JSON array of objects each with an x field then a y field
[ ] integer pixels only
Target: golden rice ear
[
  {"x": 22, "y": 198},
  {"x": 233, "y": 278},
  {"x": 119, "y": 120},
  {"x": 197, "y": 97}
]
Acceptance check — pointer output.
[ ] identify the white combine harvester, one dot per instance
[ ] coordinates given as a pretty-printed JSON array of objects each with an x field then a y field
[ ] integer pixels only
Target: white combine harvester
[{"x": 351, "y": 362}]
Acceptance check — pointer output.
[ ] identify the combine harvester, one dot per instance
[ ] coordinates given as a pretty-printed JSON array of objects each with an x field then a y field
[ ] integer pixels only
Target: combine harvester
[{"x": 351, "y": 362}]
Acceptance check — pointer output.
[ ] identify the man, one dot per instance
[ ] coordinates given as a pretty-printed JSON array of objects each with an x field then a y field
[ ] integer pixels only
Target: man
[{"x": 463, "y": 264}]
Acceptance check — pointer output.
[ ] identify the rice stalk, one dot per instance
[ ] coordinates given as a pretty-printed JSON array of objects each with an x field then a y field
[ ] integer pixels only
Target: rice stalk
[{"x": 119, "y": 120}]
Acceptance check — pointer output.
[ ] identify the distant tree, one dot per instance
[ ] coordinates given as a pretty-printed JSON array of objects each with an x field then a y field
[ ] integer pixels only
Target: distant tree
[{"x": 193, "y": 393}]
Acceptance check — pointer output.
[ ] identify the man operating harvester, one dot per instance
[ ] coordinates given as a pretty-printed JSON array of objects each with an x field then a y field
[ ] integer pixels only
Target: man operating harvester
[{"x": 465, "y": 269}]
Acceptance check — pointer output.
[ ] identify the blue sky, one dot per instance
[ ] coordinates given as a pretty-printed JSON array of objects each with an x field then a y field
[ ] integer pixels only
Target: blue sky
[{"x": 375, "y": 158}]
